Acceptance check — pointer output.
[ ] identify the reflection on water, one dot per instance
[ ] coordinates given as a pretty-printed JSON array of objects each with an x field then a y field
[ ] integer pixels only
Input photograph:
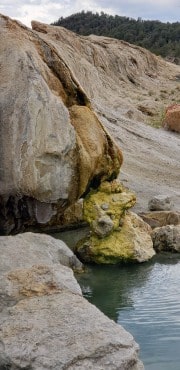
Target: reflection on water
[
  {"x": 145, "y": 300},
  {"x": 71, "y": 237},
  {"x": 110, "y": 288}
]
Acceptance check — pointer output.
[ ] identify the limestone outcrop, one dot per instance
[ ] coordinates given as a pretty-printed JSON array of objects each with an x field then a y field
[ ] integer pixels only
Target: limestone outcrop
[
  {"x": 45, "y": 322},
  {"x": 53, "y": 147},
  {"x": 116, "y": 235},
  {"x": 171, "y": 120}
]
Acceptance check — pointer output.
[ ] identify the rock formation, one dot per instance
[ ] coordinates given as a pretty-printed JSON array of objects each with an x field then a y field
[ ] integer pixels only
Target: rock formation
[
  {"x": 45, "y": 322},
  {"x": 116, "y": 235},
  {"x": 60, "y": 74},
  {"x": 52, "y": 145},
  {"x": 118, "y": 77},
  {"x": 128, "y": 86},
  {"x": 171, "y": 120}
]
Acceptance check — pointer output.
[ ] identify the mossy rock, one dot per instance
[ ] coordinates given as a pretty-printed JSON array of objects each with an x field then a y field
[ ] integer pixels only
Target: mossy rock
[
  {"x": 132, "y": 243},
  {"x": 112, "y": 199},
  {"x": 109, "y": 250}
]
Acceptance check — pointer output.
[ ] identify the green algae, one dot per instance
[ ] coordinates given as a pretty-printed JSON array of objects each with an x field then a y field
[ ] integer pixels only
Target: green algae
[
  {"x": 111, "y": 200},
  {"x": 113, "y": 249},
  {"x": 116, "y": 198}
]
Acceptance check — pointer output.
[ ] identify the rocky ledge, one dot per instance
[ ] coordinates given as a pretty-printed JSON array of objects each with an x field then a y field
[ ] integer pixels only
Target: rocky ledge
[{"x": 45, "y": 322}]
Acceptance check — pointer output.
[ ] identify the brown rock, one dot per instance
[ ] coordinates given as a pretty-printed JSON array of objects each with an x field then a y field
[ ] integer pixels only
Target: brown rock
[
  {"x": 161, "y": 218},
  {"x": 172, "y": 118}
]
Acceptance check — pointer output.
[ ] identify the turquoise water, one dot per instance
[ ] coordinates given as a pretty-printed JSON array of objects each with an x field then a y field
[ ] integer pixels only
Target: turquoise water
[{"x": 145, "y": 300}]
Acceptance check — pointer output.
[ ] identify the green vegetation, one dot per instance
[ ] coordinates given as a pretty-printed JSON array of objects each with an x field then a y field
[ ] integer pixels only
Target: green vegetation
[{"x": 160, "y": 38}]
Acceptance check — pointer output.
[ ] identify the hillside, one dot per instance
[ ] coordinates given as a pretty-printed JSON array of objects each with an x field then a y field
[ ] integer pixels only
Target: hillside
[
  {"x": 128, "y": 86},
  {"x": 160, "y": 38}
]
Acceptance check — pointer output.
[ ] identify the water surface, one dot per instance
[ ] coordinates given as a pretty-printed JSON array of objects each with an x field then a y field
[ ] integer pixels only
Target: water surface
[{"x": 144, "y": 299}]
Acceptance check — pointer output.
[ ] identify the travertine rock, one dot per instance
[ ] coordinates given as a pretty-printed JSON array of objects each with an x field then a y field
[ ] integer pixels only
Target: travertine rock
[
  {"x": 128, "y": 86},
  {"x": 45, "y": 322},
  {"x": 172, "y": 118},
  {"x": 52, "y": 145}
]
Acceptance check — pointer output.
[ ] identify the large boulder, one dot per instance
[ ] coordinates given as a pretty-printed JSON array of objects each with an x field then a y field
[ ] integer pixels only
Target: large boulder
[
  {"x": 30, "y": 249},
  {"x": 116, "y": 235},
  {"x": 166, "y": 238},
  {"x": 171, "y": 120},
  {"x": 45, "y": 322},
  {"x": 52, "y": 145}
]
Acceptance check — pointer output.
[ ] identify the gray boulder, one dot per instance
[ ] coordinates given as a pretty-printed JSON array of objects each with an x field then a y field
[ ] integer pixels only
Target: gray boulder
[
  {"x": 45, "y": 322},
  {"x": 160, "y": 203},
  {"x": 166, "y": 238},
  {"x": 28, "y": 249}
]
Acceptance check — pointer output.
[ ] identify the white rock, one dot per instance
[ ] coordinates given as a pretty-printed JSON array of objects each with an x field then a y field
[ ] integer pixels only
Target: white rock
[{"x": 45, "y": 322}]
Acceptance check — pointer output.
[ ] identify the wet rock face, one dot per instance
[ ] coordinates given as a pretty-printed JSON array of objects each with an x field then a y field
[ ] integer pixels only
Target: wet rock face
[
  {"x": 49, "y": 156},
  {"x": 45, "y": 322}
]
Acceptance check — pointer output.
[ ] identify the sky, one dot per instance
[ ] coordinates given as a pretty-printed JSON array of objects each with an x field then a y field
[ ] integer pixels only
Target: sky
[{"x": 48, "y": 11}]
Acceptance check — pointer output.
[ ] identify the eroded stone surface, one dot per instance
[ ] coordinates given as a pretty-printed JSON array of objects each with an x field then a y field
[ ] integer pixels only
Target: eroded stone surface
[
  {"x": 30, "y": 249},
  {"x": 52, "y": 144},
  {"x": 63, "y": 331},
  {"x": 45, "y": 322}
]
